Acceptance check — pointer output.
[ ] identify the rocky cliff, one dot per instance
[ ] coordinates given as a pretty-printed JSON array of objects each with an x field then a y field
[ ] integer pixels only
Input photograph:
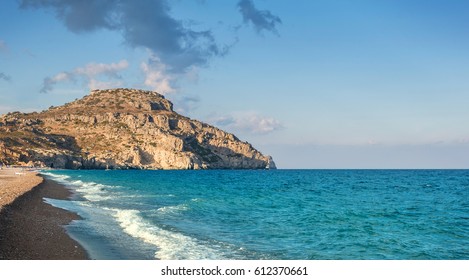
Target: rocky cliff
[{"x": 120, "y": 129}]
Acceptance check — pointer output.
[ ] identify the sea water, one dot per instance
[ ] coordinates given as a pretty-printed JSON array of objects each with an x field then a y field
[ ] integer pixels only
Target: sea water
[{"x": 269, "y": 214}]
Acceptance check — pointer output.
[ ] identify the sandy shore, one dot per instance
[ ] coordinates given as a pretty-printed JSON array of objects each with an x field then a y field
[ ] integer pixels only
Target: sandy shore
[
  {"x": 14, "y": 182},
  {"x": 29, "y": 227}
]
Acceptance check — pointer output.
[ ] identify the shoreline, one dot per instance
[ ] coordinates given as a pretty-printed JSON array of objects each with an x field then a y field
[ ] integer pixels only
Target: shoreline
[{"x": 31, "y": 229}]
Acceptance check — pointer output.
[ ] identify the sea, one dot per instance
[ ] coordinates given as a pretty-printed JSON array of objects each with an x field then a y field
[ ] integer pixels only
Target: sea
[{"x": 268, "y": 214}]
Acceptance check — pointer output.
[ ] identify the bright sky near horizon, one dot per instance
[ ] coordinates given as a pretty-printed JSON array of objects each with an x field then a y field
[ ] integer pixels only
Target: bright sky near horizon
[{"x": 315, "y": 84}]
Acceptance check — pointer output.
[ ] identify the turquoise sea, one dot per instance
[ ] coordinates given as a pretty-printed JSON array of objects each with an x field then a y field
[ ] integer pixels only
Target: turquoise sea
[{"x": 269, "y": 214}]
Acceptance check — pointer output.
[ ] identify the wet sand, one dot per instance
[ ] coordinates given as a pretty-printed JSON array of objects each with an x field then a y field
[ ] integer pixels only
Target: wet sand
[{"x": 31, "y": 229}]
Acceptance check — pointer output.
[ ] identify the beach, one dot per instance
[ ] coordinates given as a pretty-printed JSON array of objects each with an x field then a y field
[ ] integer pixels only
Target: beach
[
  {"x": 31, "y": 229},
  {"x": 14, "y": 182}
]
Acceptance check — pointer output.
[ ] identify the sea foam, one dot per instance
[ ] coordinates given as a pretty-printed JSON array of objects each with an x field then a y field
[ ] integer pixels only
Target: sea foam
[
  {"x": 168, "y": 243},
  {"x": 56, "y": 177},
  {"x": 173, "y": 209},
  {"x": 91, "y": 191}
]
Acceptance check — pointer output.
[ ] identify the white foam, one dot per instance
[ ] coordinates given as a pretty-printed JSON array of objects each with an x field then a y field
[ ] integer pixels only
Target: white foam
[
  {"x": 93, "y": 191},
  {"x": 172, "y": 209},
  {"x": 57, "y": 177},
  {"x": 89, "y": 190},
  {"x": 171, "y": 245}
]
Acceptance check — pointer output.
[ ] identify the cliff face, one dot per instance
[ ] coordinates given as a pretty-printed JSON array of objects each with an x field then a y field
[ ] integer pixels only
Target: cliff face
[{"x": 121, "y": 128}]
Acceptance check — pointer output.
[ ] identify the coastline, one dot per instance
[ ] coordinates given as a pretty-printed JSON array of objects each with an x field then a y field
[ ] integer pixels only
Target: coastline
[{"x": 31, "y": 229}]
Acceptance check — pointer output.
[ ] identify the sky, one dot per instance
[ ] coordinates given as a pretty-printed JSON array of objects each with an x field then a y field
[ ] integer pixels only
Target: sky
[{"x": 313, "y": 83}]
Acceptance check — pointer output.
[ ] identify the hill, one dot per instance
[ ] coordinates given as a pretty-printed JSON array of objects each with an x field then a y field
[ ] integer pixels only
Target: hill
[{"x": 121, "y": 129}]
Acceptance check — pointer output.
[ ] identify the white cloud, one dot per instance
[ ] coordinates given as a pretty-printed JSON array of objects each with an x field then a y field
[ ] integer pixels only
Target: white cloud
[
  {"x": 248, "y": 122},
  {"x": 259, "y": 124},
  {"x": 61, "y": 77},
  {"x": 157, "y": 78},
  {"x": 95, "y": 75},
  {"x": 95, "y": 84},
  {"x": 94, "y": 69},
  {"x": 49, "y": 82}
]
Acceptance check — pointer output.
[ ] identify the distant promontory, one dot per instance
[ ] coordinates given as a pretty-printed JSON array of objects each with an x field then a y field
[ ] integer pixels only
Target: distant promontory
[{"x": 121, "y": 129}]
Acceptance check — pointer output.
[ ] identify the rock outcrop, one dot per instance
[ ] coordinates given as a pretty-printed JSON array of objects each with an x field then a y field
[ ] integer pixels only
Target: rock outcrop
[{"x": 121, "y": 129}]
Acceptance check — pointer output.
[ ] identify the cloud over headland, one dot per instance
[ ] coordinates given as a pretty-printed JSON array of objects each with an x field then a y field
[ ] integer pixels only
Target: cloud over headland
[
  {"x": 147, "y": 24},
  {"x": 250, "y": 122},
  {"x": 92, "y": 74},
  {"x": 176, "y": 50}
]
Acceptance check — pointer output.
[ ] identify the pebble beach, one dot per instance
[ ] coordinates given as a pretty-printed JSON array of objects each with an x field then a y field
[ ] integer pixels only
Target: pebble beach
[
  {"x": 14, "y": 182},
  {"x": 31, "y": 229}
]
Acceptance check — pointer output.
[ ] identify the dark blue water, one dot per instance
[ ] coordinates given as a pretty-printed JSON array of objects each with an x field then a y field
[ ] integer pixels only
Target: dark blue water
[{"x": 270, "y": 214}]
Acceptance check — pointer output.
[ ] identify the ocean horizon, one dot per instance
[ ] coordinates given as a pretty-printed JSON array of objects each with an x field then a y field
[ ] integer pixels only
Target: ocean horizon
[{"x": 284, "y": 214}]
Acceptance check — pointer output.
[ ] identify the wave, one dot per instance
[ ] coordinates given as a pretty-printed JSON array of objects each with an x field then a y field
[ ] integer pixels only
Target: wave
[
  {"x": 120, "y": 206},
  {"x": 172, "y": 209},
  {"x": 91, "y": 191},
  {"x": 167, "y": 242},
  {"x": 56, "y": 177}
]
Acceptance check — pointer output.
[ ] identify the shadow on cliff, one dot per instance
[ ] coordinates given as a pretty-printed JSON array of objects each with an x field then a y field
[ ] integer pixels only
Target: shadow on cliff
[
  {"x": 217, "y": 157},
  {"x": 70, "y": 153}
]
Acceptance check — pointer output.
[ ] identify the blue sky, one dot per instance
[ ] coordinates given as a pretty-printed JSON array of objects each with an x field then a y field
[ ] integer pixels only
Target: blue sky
[{"x": 315, "y": 84}]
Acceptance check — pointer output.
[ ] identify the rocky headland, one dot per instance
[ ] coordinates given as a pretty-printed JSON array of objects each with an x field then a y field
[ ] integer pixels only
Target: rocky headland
[{"x": 121, "y": 129}]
